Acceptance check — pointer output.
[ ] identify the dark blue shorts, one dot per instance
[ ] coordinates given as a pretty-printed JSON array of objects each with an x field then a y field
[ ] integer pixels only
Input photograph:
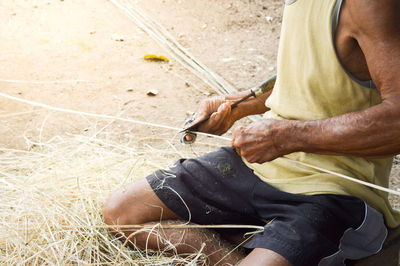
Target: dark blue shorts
[{"x": 218, "y": 188}]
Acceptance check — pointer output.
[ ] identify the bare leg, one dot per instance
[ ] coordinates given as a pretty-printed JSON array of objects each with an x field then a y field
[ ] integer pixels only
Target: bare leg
[
  {"x": 261, "y": 256},
  {"x": 137, "y": 204}
]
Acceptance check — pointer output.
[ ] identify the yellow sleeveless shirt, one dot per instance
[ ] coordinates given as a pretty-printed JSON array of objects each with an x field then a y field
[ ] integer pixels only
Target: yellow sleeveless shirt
[{"x": 311, "y": 84}]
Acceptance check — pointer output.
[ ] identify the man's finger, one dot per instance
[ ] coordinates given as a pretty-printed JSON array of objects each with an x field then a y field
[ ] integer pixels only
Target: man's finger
[
  {"x": 213, "y": 124},
  {"x": 220, "y": 118},
  {"x": 198, "y": 117},
  {"x": 236, "y": 137}
]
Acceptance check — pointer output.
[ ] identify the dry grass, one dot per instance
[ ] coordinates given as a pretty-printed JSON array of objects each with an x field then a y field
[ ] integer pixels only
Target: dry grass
[{"x": 52, "y": 197}]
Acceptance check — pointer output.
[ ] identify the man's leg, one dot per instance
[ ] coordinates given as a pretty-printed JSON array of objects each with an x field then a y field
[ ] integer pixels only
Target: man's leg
[
  {"x": 261, "y": 256},
  {"x": 137, "y": 204}
]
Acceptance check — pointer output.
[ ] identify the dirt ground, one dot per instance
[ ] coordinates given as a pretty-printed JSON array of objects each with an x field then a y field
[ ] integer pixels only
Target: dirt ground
[
  {"x": 69, "y": 54},
  {"x": 66, "y": 53}
]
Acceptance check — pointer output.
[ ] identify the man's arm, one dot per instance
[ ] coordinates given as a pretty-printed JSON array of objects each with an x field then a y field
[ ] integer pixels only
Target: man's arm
[{"x": 374, "y": 132}]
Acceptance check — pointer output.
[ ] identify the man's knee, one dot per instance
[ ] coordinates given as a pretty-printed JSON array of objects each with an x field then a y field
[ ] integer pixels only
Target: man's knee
[
  {"x": 135, "y": 203},
  {"x": 122, "y": 206},
  {"x": 113, "y": 210}
]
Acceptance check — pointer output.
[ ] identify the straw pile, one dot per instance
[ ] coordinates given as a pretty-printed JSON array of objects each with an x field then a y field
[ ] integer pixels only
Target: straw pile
[{"x": 52, "y": 198}]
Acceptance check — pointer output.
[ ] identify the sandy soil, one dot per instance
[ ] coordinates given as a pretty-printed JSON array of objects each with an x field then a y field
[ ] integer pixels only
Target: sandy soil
[
  {"x": 73, "y": 43},
  {"x": 67, "y": 54}
]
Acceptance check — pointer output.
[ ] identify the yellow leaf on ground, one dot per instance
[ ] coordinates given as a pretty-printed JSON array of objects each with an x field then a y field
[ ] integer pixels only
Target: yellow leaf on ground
[{"x": 155, "y": 57}]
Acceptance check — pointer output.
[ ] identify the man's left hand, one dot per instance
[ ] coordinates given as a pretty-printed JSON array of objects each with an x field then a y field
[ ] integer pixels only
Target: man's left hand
[{"x": 263, "y": 140}]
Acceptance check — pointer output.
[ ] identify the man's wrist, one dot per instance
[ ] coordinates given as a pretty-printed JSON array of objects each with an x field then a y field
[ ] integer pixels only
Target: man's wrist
[{"x": 287, "y": 137}]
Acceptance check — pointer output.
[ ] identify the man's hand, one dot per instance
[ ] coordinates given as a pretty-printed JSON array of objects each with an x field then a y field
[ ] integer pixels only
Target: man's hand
[
  {"x": 264, "y": 140},
  {"x": 221, "y": 119},
  {"x": 223, "y": 116}
]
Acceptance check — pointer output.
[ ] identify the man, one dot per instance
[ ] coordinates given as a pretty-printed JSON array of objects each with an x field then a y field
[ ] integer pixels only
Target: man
[{"x": 324, "y": 110}]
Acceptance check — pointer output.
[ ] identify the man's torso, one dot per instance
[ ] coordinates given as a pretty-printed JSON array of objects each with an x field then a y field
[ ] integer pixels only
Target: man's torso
[{"x": 316, "y": 58}]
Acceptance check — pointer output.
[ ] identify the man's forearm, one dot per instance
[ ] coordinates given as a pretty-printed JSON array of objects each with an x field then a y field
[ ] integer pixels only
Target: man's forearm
[{"x": 374, "y": 132}]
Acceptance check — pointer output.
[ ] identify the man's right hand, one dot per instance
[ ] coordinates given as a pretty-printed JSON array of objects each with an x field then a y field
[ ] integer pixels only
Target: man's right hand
[
  {"x": 223, "y": 116},
  {"x": 221, "y": 119}
]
